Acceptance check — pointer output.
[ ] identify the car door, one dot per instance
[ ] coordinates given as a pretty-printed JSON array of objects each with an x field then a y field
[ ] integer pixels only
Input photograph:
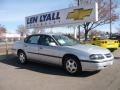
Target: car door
[
  {"x": 31, "y": 47},
  {"x": 49, "y": 50}
]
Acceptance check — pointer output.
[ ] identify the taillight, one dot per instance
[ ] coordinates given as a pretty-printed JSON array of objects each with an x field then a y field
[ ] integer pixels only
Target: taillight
[
  {"x": 116, "y": 41},
  {"x": 104, "y": 42}
]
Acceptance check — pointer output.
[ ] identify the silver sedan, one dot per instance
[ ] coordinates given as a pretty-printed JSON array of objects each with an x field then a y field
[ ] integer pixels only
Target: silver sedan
[{"x": 64, "y": 51}]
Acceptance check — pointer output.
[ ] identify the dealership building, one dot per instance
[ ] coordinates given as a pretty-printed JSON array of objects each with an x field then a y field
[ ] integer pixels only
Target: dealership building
[{"x": 9, "y": 37}]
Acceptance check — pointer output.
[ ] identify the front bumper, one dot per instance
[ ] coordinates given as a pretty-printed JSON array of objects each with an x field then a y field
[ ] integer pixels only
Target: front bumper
[{"x": 94, "y": 66}]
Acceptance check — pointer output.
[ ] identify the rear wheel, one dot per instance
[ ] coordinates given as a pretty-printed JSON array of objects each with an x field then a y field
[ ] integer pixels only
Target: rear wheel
[
  {"x": 72, "y": 65},
  {"x": 22, "y": 57}
]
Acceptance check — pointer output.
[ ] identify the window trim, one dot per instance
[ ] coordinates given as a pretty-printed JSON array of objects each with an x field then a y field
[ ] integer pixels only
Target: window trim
[{"x": 47, "y": 36}]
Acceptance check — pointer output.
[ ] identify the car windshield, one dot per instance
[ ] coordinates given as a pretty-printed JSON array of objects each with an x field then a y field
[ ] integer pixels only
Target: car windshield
[{"x": 65, "y": 40}]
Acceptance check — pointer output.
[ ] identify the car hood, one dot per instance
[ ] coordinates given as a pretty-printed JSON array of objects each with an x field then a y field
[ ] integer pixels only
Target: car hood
[{"x": 91, "y": 49}]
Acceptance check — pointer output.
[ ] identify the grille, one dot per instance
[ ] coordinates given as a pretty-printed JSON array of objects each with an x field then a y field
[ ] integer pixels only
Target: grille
[{"x": 108, "y": 55}]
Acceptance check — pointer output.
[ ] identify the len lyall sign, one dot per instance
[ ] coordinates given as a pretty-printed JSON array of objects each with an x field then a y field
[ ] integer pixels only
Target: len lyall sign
[{"x": 74, "y": 15}]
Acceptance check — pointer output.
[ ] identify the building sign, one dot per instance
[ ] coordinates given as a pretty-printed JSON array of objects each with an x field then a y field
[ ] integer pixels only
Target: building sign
[{"x": 74, "y": 15}]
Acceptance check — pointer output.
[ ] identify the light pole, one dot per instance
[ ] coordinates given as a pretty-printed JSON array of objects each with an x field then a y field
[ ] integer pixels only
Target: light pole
[
  {"x": 78, "y": 3},
  {"x": 110, "y": 19}
]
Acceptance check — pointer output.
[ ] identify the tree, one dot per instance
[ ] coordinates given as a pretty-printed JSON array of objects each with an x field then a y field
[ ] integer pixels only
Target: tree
[
  {"x": 2, "y": 29},
  {"x": 97, "y": 33},
  {"x": 22, "y": 30},
  {"x": 103, "y": 16},
  {"x": 37, "y": 30},
  {"x": 118, "y": 30}
]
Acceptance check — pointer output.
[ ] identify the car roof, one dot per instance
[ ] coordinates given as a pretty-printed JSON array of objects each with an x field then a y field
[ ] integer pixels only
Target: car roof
[{"x": 46, "y": 34}]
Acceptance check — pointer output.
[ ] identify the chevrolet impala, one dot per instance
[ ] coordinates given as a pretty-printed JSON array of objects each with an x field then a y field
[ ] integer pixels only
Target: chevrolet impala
[{"x": 64, "y": 51}]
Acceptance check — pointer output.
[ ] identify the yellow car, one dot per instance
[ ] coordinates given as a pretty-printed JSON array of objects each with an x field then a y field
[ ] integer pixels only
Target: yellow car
[{"x": 104, "y": 42}]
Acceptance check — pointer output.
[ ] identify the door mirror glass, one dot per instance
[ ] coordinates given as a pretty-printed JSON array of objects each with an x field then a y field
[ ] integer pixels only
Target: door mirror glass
[{"x": 52, "y": 44}]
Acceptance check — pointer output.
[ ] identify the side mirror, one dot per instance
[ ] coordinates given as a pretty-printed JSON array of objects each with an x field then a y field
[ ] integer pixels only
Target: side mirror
[{"x": 52, "y": 44}]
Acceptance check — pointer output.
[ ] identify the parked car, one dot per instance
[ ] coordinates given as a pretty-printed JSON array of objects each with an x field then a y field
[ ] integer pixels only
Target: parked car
[
  {"x": 64, "y": 51},
  {"x": 116, "y": 37},
  {"x": 105, "y": 42}
]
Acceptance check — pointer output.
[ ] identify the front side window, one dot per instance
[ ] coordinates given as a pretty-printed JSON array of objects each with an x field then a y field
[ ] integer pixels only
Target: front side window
[
  {"x": 65, "y": 40},
  {"x": 33, "y": 40},
  {"x": 47, "y": 41}
]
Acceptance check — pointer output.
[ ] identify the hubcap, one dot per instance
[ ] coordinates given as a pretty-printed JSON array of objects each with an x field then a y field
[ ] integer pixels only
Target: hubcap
[
  {"x": 71, "y": 66},
  {"x": 22, "y": 57}
]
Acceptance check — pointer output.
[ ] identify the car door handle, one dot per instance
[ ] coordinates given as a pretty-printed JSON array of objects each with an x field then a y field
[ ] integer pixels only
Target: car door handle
[
  {"x": 25, "y": 45},
  {"x": 41, "y": 48}
]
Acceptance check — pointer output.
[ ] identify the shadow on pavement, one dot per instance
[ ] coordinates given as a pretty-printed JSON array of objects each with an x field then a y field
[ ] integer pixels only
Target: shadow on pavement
[
  {"x": 42, "y": 68},
  {"x": 117, "y": 58},
  {"x": 2, "y": 56}
]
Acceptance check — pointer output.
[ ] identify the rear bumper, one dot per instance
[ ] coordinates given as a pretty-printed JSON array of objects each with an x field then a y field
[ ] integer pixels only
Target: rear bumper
[
  {"x": 110, "y": 46},
  {"x": 93, "y": 66}
]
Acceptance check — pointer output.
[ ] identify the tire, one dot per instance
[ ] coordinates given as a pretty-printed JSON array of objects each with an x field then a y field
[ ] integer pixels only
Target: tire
[
  {"x": 112, "y": 50},
  {"x": 22, "y": 57},
  {"x": 72, "y": 65}
]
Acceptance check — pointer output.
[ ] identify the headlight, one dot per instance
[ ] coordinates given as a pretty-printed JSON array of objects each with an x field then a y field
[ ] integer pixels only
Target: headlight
[{"x": 96, "y": 56}]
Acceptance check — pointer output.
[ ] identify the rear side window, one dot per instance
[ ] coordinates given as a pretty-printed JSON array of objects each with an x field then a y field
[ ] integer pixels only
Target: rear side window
[{"x": 33, "y": 39}]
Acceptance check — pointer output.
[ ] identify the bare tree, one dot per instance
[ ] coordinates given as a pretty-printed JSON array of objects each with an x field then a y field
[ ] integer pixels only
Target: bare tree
[
  {"x": 2, "y": 29},
  {"x": 37, "y": 30},
  {"x": 104, "y": 16},
  {"x": 118, "y": 30},
  {"x": 22, "y": 30},
  {"x": 97, "y": 33}
]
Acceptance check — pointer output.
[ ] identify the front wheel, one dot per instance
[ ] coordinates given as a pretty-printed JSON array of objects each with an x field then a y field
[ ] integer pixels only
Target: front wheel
[
  {"x": 72, "y": 65},
  {"x": 22, "y": 57}
]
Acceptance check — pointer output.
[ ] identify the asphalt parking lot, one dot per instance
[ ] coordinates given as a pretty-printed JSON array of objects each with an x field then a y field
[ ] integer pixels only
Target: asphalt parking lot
[{"x": 34, "y": 76}]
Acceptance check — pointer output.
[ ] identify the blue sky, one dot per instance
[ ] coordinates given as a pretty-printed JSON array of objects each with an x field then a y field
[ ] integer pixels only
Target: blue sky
[{"x": 13, "y": 12}]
